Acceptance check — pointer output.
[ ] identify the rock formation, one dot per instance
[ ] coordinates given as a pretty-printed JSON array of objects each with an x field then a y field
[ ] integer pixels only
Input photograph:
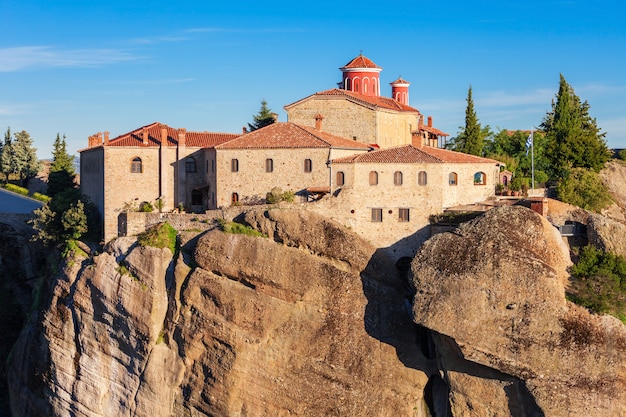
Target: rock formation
[
  {"x": 508, "y": 342},
  {"x": 313, "y": 321},
  {"x": 313, "y": 325}
]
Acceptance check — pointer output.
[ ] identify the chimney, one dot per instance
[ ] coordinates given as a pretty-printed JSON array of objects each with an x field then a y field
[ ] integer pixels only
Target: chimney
[
  {"x": 430, "y": 121},
  {"x": 164, "y": 136},
  {"x": 275, "y": 116},
  {"x": 182, "y": 132},
  {"x": 318, "y": 121},
  {"x": 99, "y": 136},
  {"x": 106, "y": 138},
  {"x": 144, "y": 136},
  {"x": 244, "y": 130},
  {"x": 416, "y": 139}
]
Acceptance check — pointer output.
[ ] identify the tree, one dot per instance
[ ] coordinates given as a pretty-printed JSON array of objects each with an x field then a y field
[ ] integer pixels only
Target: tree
[
  {"x": 62, "y": 173},
  {"x": 573, "y": 137},
  {"x": 6, "y": 155},
  {"x": 24, "y": 162},
  {"x": 471, "y": 139},
  {"x": 584, "y": 188},
  {"x": 265, "y": 117}
]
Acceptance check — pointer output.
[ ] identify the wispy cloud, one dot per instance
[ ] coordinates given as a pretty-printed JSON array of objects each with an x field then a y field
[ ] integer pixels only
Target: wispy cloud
[{"x": 25, "y": 57}]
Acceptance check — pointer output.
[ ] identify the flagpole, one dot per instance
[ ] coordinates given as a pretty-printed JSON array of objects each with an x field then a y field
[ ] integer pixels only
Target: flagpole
[{"x": 532, "y": 158}]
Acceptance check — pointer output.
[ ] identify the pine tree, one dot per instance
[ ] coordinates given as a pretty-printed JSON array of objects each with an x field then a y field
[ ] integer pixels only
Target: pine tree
[
  {"x": 62, "y": 173},
  {"x": 265, "y": 117},
  {"x": 24, "y": 162},
  {"x": 573, "y": 137},
  {"x": 470, "y": 140},
  {"x": 6, "y": 155}
]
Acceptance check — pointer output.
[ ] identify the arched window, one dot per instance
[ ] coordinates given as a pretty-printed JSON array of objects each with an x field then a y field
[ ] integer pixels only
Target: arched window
[
  {"x": 422, "y": 178},
  {"x": 196, "y": 198},
  {"x": 234, "y": 199},
  {"x": 234, "y": 165},
  {"x": 190, "y": 164},
  {"x": 308, "y": 165},
  {"x": 269, "y": 165},
  {"x": 452, "y": 178},
  {"x": 348, "y": 84},
  {"x": 480, "y": 178},
  {"x": 340, "y": 178},
  {"x": 397, "y": 178},
  {"x": 373, "y": 178},
  {"x": 135, "y": 166}
]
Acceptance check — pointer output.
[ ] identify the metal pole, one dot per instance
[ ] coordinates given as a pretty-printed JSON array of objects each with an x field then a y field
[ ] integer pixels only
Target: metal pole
[{"x": 532, "y": 157}]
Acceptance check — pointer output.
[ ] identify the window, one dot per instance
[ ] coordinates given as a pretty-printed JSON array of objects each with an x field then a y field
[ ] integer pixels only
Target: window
[
  {"x": 234, "y": 165},
  {"x": 403, "y": 215},
  {"x": 377, "y": 215},
  {"x": 480, "y": 178},
  {"x": 234, "y": 199},
  {"x": 341, "y": 179},
  {"x": 135, "y": 166},
  {"x": 190, "y": 164},
  {"x": 269, "y": 165},
  {"x": 308, "y": 165},
  {"x": 373, "y": 178},
  {"x": 397, "y": 178},
  {"x": 422, "y": 178},
  {"x": 196, "y": 198},
  {"x": 452, "y": 178}
]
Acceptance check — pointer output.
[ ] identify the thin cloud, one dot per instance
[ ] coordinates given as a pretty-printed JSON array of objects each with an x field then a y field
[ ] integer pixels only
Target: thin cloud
[
  {"x": 38, "y": 57},
  {"x": 160, "y": 39}
]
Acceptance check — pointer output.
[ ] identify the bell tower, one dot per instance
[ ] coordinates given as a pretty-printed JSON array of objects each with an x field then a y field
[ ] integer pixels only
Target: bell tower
[
  {"x": 400, "y": 91},
  {"x": 361, "y": 76}
]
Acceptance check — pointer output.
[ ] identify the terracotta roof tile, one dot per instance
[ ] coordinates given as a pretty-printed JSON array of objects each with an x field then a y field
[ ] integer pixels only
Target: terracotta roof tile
[
  {"x": 290, "y": 135},
  {"x": 400, "y": 80},
  {"x": 379, "y": 101},
  {"x": 409, "y": 154},
  {"x": 360, "y": 62},
  {"x": 432, "y": 130},
  {"x": 192, "y": 139}
]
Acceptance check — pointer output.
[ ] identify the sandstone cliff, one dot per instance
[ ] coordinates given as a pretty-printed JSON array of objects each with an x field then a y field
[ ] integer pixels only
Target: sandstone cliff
[
  {"x": 311, "y": 325},
  {"x": 313, "y": 321},
  {"x": 509, "y": 343}
]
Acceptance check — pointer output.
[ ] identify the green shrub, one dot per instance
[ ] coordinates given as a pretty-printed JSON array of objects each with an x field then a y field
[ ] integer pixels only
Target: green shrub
[
  {"x": 276, "y": 195},
  {"x": 622, "y": 154},
  {"x": 146, "y": 207},
  {"x": 599, "y": 282},
  {"x": 41, "y": 197},
  {"x": 162, "y": 235},
  {"x": 16, "y": 189}
]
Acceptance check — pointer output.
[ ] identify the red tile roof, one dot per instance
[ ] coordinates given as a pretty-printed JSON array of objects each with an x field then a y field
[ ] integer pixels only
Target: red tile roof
[
  {"x": 192, "y": 139},
  {"x": 372, "y": 102},
  {"x": 290, "y": 135},
  {"x": 400, "y": 80},
  {"x": 360, "y": 62},
  {"x": 409, "y": 154},
  {"x": 432, "y": 130}
]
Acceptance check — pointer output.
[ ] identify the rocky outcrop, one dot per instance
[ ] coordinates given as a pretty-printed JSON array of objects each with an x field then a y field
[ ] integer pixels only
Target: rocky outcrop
[
  {"x": 507, "y": 339},
  {"x": 607, "y": 234},
  {"x": 614, "y": 177},
  {"x": 258, "y": 326}
]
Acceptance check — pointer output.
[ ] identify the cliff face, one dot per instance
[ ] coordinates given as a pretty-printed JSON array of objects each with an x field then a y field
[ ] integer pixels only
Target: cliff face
[
  {"x": 311, "y": 327},
  {"x": 313, "y": 321},
  {"x": 494, "y": 291}
]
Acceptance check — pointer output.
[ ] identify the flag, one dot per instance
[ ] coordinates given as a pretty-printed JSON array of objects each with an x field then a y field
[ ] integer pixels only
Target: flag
[{"x": 529, "y": 142}]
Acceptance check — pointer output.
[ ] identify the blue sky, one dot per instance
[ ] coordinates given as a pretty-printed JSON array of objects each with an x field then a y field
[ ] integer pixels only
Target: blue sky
[{"x": 85, "y": 66}]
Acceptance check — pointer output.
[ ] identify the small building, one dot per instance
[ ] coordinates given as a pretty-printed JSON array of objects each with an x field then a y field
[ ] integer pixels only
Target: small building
[{"x": 154, "y": 164}]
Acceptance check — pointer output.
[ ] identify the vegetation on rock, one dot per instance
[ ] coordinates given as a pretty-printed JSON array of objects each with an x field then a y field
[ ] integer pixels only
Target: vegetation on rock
[
  {"x": 584, "y": 188},
  {"x": 600, "y": 282},
  {"x": 160, "y": 236},
  {"x": 238, "y": 228}
]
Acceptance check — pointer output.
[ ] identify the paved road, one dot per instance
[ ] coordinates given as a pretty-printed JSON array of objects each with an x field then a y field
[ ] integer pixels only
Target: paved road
[{"x": 15, "y": 203}]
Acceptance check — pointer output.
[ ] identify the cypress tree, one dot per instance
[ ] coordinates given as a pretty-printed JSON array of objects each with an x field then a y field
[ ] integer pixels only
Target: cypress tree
[
  {"x": 62, "y": 173},
  {"x": 470, "y": 140}
]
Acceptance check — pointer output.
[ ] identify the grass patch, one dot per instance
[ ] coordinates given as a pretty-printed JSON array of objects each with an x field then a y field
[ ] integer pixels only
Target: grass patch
[
  {"x": 453, "y": 217},
  {"x": 72, "y": 249},
  {"x": 161, "y": 236},
  {"x": 238, "y": 228}
]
